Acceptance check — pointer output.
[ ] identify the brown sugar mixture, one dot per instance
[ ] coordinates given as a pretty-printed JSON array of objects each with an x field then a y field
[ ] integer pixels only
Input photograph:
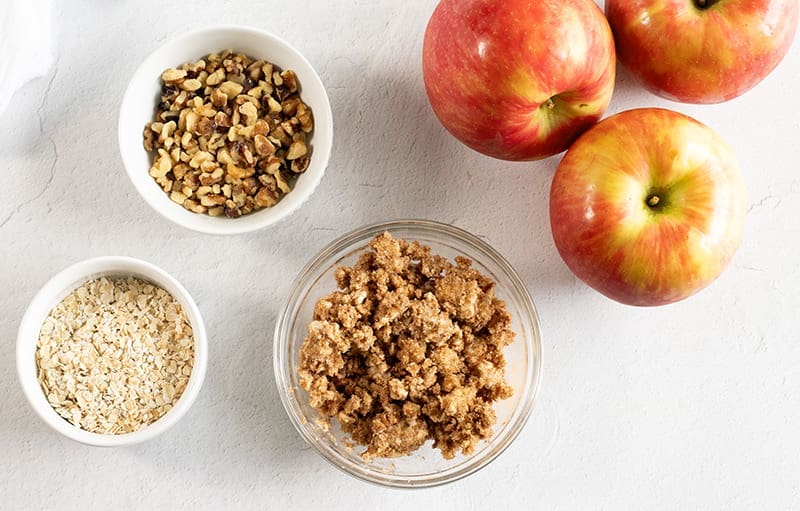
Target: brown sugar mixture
[{"x": 410, "y": 348}]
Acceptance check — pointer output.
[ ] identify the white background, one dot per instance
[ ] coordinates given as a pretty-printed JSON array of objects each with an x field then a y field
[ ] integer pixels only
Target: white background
[{"x": 690, "y": 406}]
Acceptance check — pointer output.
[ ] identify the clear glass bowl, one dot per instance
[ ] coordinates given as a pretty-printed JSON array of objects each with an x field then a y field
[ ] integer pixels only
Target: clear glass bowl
[{"x": 426, "y": 466}]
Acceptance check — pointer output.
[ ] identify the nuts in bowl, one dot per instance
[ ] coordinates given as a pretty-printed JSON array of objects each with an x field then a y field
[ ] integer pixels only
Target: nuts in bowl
[
  {"x": 408, "y": 353},
  {"x": 230, "y": 134},
  {"x": 225, "y": 123}
]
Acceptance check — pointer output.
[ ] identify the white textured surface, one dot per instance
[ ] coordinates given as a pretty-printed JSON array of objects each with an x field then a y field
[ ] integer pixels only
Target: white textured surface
[
  {"x": 26, "y": 39},
  {"x": 691, "y": 406}
]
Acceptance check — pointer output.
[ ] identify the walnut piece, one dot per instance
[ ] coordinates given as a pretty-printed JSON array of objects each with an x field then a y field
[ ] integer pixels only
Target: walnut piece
[
  {"x": 409, "y": 349},
  {"x": 223, "y": 120}
]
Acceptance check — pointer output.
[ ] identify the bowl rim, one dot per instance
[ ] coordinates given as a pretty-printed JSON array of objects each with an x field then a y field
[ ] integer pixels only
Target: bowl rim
[
  {"x": 323, "y": 134},
  {"x": 319, "y": 261},
  {"x": 63, "y": 283}
]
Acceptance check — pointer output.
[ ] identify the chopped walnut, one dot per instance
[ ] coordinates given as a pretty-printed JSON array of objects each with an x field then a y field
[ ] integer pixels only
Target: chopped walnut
[
  {"x": 409, "y": 349},
  {"x": 228, "y": 120}
]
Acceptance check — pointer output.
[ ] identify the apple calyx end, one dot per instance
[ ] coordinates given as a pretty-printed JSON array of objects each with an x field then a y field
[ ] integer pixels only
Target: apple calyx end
[
  {"x": 704, "y": 4},
  {"x": 656, "y": 201}
]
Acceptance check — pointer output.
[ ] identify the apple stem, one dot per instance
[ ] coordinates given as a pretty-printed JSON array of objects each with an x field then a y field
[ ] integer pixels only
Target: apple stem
[
  {"x": 550, "y": 103},
  {"x": 653, "y": 201}
]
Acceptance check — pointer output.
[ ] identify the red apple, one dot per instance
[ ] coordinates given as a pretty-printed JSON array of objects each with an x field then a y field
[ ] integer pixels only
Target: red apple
[
  {"x": 518, "y": 79},
  {"x": 647, "y": 207},
  {"x": 702, "y": 51}
]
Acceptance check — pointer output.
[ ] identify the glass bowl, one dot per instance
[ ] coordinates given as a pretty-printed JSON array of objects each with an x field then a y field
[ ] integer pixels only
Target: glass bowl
[{"x": 426, "y": 466}]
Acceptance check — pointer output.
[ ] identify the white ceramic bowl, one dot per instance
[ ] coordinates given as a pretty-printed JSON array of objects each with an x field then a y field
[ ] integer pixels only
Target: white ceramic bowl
[
  {"x": 51, "y": 295},
  {"x": 142, "y": 97}
]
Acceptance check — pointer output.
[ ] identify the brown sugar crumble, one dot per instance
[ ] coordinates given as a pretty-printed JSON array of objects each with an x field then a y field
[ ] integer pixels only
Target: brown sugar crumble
[{"x": 409, "y": 348}]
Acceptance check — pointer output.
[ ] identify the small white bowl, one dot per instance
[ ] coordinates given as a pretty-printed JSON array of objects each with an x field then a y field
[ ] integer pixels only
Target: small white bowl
[
  {"x": 53, "y": 293},
  {"x": 142, "y": 97}
]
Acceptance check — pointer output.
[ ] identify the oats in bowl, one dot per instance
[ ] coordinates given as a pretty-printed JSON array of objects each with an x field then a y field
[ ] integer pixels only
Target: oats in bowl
[
  {"x": 115, "y": 355},
  {"x": 230, "y": 134}
]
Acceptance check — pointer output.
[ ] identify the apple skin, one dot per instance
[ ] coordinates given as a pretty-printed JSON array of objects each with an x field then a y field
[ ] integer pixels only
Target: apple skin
[
  {"x": 613, "y": 240},
  {"x": 518, "y": 79},
  {"x": 702, "y": 55}
]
